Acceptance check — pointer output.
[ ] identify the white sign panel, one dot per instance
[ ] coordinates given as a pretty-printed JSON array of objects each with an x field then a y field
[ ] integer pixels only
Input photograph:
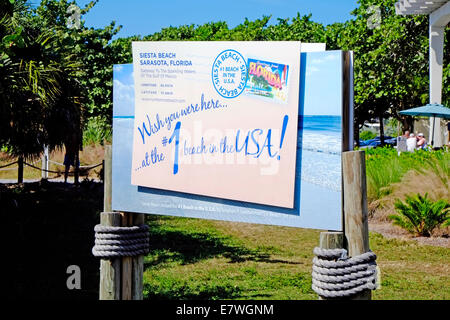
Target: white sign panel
[{"x": 217, "y": 119}]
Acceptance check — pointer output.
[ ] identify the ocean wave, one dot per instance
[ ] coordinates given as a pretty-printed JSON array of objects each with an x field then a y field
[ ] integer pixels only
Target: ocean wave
[
  {"x": 312, "y": 149},
  {"x": 322, "y": 167},
  {"x": 327, "y": 184},
  {"x": 320, "y": 142}
]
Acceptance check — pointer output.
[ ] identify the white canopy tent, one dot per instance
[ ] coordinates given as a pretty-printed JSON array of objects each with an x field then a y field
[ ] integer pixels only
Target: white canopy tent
[{"x": 439, "y": 15}]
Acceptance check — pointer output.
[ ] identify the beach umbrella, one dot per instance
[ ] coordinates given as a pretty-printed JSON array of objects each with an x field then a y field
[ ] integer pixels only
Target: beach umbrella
[{"x": 429, "y": 110}]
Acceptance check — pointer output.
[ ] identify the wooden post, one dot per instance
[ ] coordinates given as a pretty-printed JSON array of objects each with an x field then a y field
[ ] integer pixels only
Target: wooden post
[
  {"x": 356, "y": 227},
  {"x": 110, "y": 268},
  {"x": 20, "y": 170},
  {"x": 127, "y": 263},
  {"x": 331, "y": 240},
  {"x": 107, "y": 179},
  {"x": 44, "y": 173},
  {"x": 119, "y": 278},
  {"x": 132, "y": 267},
  {"x": 138, "y": 265}
]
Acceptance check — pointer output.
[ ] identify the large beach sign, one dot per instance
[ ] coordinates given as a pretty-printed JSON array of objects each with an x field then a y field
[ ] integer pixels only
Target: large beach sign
[
  {"x": 237, "y": 131},
  {"x": 217, "y": 119}
]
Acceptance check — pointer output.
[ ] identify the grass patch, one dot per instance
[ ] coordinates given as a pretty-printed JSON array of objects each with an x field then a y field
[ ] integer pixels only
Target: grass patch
[
  {"x": 202, "y": 259},
  {"x": 384, "y": 167},
  {"x": 410, "y": 271}
]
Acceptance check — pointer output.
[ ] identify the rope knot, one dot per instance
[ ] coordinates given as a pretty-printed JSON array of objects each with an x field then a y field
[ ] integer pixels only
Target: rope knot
[
  {"x": 112, "y": 242},
  {"x": 335, "y": 275}
]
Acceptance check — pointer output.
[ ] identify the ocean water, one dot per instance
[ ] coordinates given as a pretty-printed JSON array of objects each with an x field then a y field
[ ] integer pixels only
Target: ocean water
[{"x": 320, "y": 138}]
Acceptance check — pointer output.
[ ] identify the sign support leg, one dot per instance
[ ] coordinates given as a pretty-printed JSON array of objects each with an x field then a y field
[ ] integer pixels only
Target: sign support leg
[
  {"x": 137, "y": 287},
  {"x": 120, "y": 278},
  {"x": 110, "y": 268},
  {"x": 356, "y": 227},
  {"x": 127, "y": 262},
  {"x": 331, "y": 240}
]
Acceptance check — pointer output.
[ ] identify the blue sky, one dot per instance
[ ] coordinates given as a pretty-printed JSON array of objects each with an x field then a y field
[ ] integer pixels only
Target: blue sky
[
  {"x": 123, "y": 95},
  {"x": 149, "y": 16},
  {"x": 323, "y": 83}
]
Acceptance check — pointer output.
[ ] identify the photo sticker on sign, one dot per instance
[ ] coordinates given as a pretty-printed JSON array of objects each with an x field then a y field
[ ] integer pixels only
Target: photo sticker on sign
[
  {"x": 267, "y": 79},
  {"x": 196, "y": 132}
]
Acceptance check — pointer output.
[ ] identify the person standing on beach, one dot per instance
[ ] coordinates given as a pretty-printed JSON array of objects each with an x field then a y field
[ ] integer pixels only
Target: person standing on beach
[{"x": 69, "y": 159}]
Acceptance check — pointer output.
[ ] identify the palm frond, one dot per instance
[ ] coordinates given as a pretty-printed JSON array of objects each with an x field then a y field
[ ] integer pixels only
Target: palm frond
[{"x": 419, "y": 215}]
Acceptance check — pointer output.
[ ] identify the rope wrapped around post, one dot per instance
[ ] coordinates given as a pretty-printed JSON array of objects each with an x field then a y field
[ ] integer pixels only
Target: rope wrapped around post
[
  {"x": 337, "y": 276},
  {"x": 112, "y": 242}
]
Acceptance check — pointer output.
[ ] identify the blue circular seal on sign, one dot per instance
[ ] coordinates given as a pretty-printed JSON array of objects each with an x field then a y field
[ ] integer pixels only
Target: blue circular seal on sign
[{"x": 229, "y": 73}]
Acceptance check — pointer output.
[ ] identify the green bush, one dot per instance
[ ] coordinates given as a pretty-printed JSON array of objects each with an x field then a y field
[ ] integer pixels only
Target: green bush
[
  {"x": 385, "y": 167},
  {"x": 420, "y": 216},
  {"x": 96, "y": 131},
  {"x": 367, "y": 135}
]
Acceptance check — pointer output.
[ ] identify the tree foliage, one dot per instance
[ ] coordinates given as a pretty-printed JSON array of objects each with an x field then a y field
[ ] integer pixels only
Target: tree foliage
[
  {"x": 90, "y": 47},
  {"x": 391, "y": 60},
  {"x": 52, "y": 74},
  {"x": 34, "y": 82}
]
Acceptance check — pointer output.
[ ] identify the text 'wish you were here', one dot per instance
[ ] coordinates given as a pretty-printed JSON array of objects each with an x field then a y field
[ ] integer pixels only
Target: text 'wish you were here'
[{"x": 253, "y": 142}]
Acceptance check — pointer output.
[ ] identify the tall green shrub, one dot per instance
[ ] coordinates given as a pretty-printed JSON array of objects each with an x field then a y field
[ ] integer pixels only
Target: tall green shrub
[
  {"x": 440, "y": 165},
  {"x": 385, "y": 167},
  {"x": 96, "y": 131}
]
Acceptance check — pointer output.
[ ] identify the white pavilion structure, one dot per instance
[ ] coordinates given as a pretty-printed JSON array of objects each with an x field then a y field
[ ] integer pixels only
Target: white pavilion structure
[{"x": 439, "y": 16}]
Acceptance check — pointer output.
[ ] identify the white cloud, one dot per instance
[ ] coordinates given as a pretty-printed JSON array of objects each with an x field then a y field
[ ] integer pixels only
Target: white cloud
[
  {"x": 317, "y": 61},
  {"x": 123, "y": 92},
  {"x": 331, "y": 57},
  {"x": 117, "y": 67},
  {"x": 311, "y": 70},
  {"x": 328, "y": 57}
]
